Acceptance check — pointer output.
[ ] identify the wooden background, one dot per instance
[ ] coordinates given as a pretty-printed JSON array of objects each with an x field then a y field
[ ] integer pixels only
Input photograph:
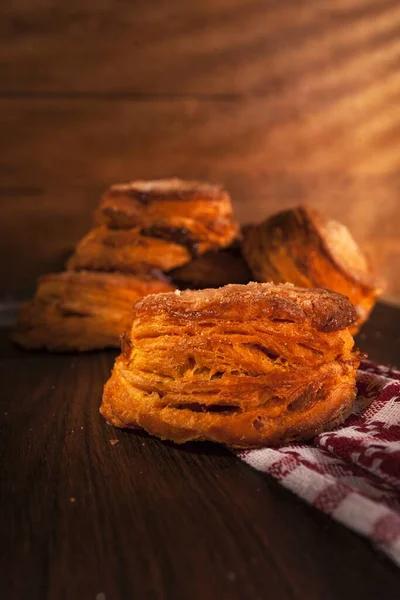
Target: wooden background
[{"x": 281, "y": 101}]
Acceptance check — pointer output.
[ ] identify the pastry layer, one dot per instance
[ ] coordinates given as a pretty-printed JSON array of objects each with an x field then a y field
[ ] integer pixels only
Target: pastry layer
[
  {"x": 82, "y": 310},
  {"x": 128, "y": 251},
  {"x": 193, "y": 209},
  {"x": 300, "y": 246},
  {"x": 159, "y": 224}
]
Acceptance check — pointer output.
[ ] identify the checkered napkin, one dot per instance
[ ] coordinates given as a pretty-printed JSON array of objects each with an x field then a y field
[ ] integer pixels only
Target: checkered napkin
[{"x": 353, "y": 472}]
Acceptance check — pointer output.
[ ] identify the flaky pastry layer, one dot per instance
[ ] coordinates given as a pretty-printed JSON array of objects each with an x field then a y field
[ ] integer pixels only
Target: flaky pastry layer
[
  {"x": 82, "y": 310},
  {"x": 300, "y": 246},
  {"x": 241, "y": 365},
  {"x": 128, "y": 251},
  {"x": 198, "y": 210},
  {"x": 160, "y": 224}
]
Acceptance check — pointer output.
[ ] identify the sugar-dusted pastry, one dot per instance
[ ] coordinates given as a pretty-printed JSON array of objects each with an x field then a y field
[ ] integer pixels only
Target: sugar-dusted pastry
[
  {"x": 82, "y": 310},
  {"x": 244, "y": 365},
  {"x": 214, "y": 269},
  {"x": 194, "y": 213},
  {"x": 302, "y": 247}
]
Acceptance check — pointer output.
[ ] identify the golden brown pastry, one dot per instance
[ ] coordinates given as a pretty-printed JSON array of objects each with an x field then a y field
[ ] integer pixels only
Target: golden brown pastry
[
  {"x": 214, "y": 269},
  {"x": 242, "y": 365},
  {"x": 198, "y": 212},
  {"x": 82, "y": 311},
  {"x": 156, "y": 224},
  {"x": 128, "y": 250},
  {"x": 302, "y": 247}
]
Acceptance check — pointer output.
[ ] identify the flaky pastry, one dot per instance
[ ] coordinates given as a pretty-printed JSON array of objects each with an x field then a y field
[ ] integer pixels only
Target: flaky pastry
[
  {"x": 82, "y": 310},
  {"x": 198, "y": 211},
  {"x": 302, "y": 247},
  {"x": 128, "y": 251},
  {"x": 159, "y": 224},
  {"x": 242, "y": 365}
]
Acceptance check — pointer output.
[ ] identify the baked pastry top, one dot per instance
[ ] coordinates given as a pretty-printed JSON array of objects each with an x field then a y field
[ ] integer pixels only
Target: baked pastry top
[
  {"x": 244, "y": 365},
  {"x": 82, "y": 310},
  {"x": 160, "y": 224},
  {"x": 302, "y": 247}
]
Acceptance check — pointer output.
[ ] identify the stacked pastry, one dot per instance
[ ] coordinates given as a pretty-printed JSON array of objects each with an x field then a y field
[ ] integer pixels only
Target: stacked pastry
[
  {"x": 302, "y": 247},
  {"x": 142, "y": 231},
  {"x": 156, "y": 225},
  {"x": 249, "y": 365},
  {"x": 244, "y": 365}
]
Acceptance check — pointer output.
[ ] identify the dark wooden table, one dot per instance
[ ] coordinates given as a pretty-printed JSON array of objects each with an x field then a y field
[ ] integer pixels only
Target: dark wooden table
[{"x": 85, "y": 518}]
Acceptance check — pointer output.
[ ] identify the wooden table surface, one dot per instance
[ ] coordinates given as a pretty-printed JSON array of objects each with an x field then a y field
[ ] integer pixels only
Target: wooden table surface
[{"x": 84, "y": 518}]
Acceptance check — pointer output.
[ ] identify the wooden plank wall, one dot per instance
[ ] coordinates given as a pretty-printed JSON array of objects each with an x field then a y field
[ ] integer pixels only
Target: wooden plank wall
[{"x": 281, "y": 101}]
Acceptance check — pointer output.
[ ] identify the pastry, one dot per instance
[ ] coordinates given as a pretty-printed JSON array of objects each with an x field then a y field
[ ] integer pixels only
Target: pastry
[
  {"x": 142, "y": 229},
  {"x": 156, "y": 224},
  {"x": 213, "y": 269},
  {"x": 128, "y": 251},
  {"x": 196, "y": 211},
  {"x": 82, "y": 310},
  {"x": 244, "y": 365},
  {"x": 302, "y": 247}
]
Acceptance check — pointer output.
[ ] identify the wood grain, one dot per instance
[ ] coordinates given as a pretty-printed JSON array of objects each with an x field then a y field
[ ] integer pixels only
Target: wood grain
[
  {"x": 84, "y": 516},
  {"x": 282, "y": 102}
]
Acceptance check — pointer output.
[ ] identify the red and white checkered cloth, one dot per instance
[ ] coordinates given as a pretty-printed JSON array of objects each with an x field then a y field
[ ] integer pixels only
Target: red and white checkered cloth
[{"x": 353, "y": 472}]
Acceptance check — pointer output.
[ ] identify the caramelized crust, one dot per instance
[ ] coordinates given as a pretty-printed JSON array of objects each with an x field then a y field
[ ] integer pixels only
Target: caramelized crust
[
  {"x": 300, "y": 246},
  {"x": 82, "y": 311},
  {"x": 214, "y": 269},
  {"x": 241, "y": 365}
]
